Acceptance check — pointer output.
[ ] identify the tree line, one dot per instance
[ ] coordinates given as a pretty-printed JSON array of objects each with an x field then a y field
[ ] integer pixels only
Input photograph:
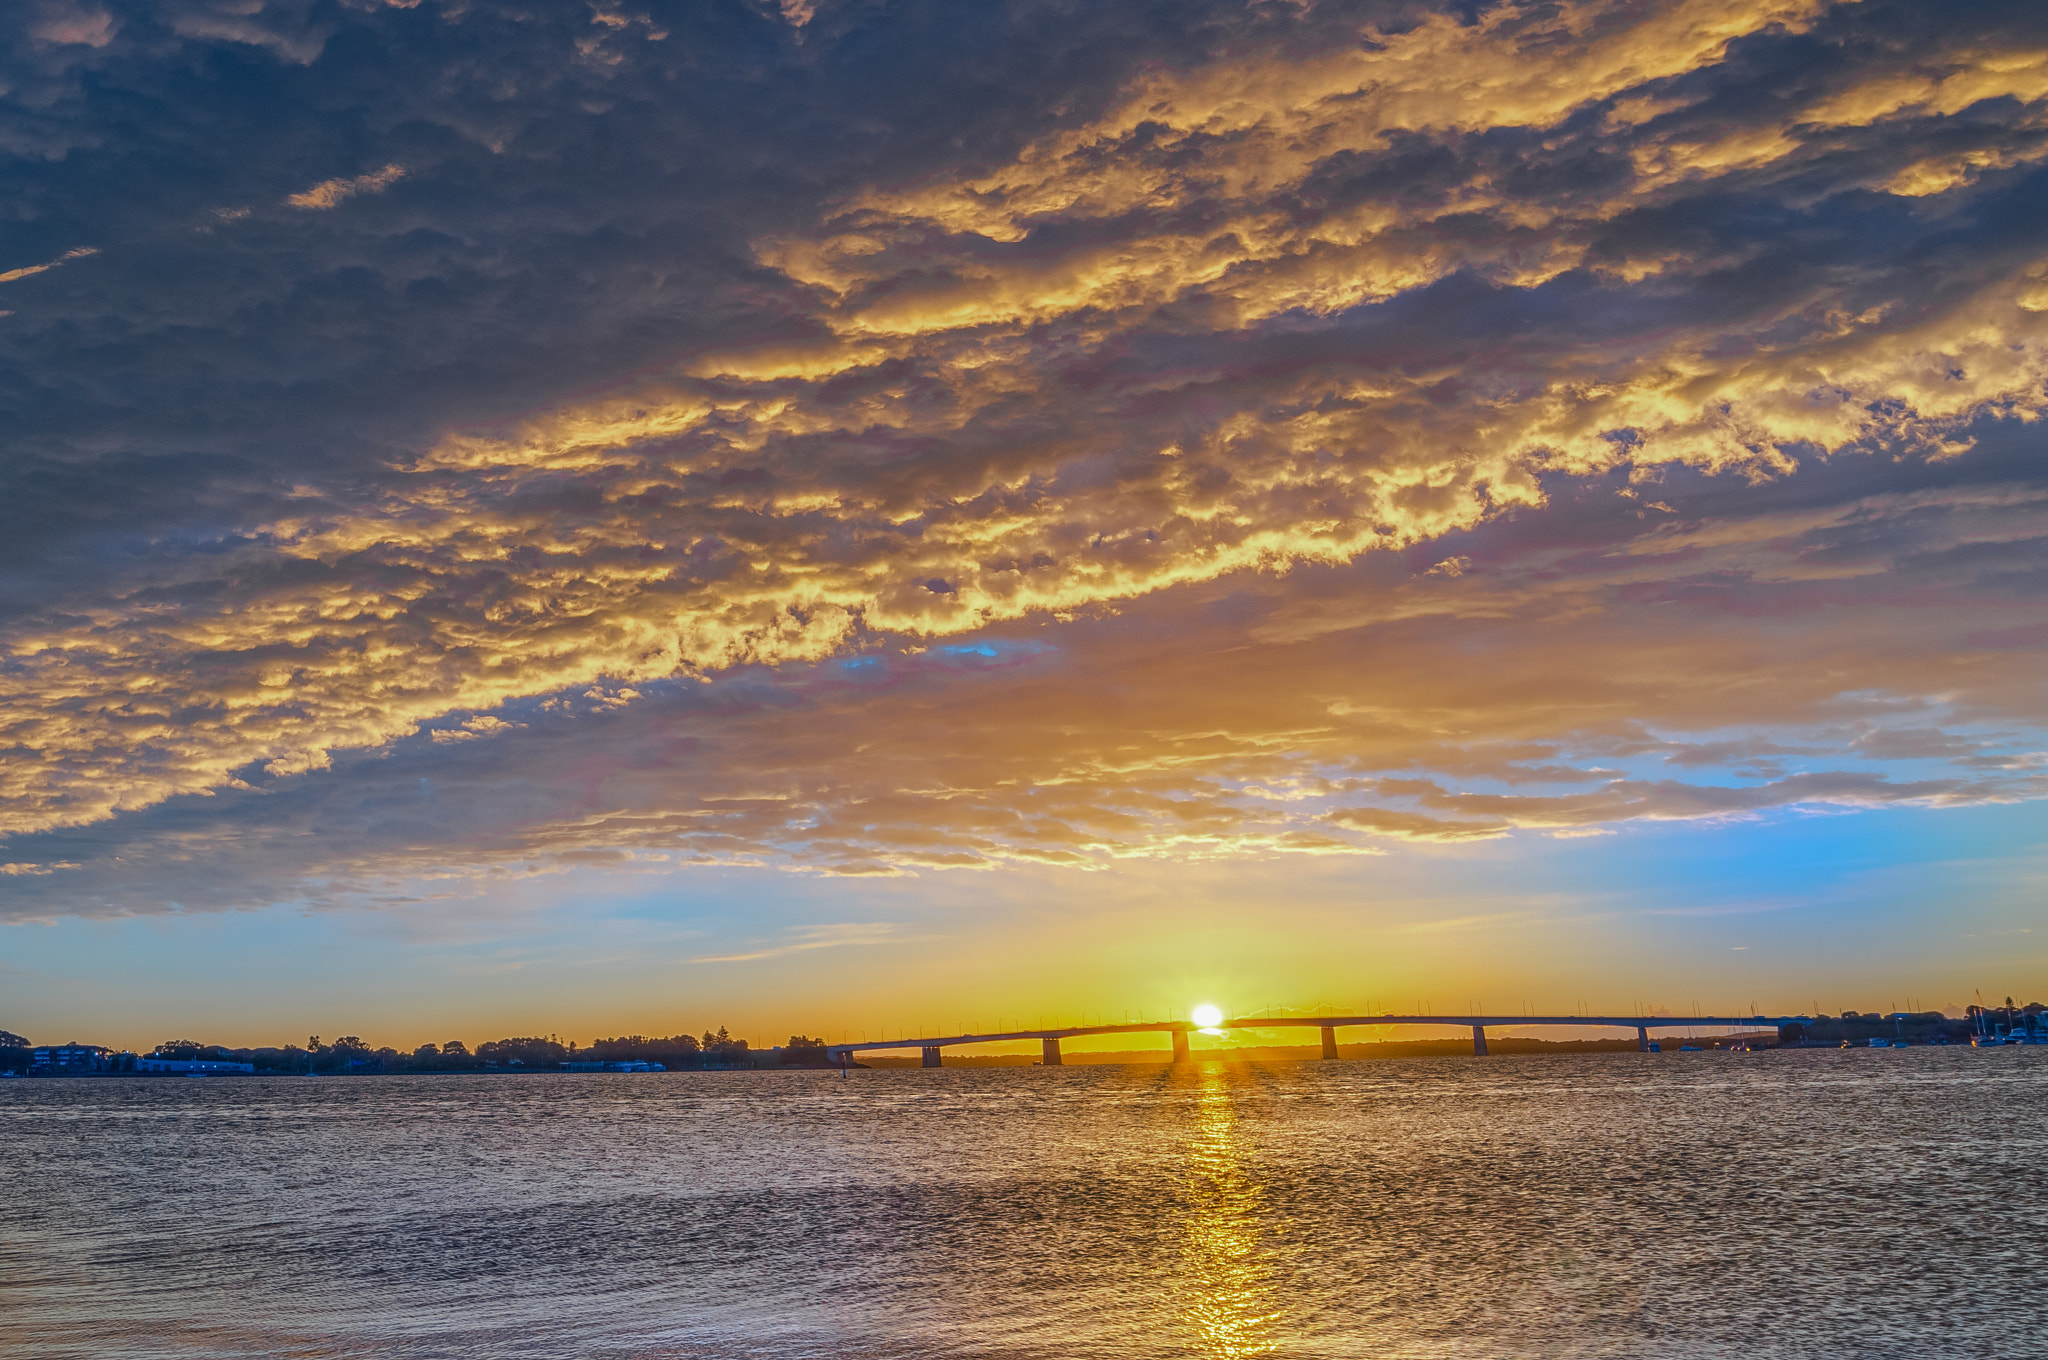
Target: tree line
[{"x": 350, "y": 1055}]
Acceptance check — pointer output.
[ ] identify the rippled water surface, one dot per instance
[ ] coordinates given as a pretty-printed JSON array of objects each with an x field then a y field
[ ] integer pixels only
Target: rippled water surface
[{"x": 1811, "y": 1204}]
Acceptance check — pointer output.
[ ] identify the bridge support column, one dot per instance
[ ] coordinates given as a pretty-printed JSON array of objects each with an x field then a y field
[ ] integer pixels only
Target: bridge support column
[
  {"x": 931, "y": 1058},
  {"x": 1180, "y": 1045},
  {"x": 1479, "y": 1041},
  {"x": 1329, "y": 1043},
  {"x": 1051, "y": 1048},
  {"x": 1642, "y": 1038}
]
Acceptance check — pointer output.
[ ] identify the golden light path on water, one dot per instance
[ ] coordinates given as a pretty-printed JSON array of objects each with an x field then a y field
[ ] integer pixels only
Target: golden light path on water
[{"x": 1229, "y": 1269}]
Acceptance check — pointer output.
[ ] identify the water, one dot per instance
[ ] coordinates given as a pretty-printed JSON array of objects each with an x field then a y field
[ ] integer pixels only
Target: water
[{"x": 1810, "y": 1204}]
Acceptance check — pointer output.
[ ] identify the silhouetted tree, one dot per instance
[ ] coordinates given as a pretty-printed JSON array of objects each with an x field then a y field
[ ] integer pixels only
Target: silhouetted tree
[
  {"x": 802, "y": 1051},
  {"x": 533, "y": 1053},
  {"x": 677, "y": 1052},
  {"x": 184, "y": 1050},
  {"x": 722, "y": 1050}
]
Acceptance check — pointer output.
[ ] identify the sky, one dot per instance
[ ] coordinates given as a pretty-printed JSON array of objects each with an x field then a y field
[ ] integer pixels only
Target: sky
[{"x": 849, "y": 515}]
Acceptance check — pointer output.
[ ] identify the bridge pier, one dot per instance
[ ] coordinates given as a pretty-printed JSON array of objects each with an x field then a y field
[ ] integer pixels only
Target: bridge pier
[
  {"x": 1642, "y": 1038},
  {"x": 1329, "y": 1043},
  {"x": 1180, "y": 1045},
  {"x": 1051, "y": 1052},
  {"x": 1479, "y": 1041},
  {"x": 931, "y": 1058}
]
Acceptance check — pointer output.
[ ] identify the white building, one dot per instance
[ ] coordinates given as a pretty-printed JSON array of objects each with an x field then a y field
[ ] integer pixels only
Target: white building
[{"x": 199, "y": 1066}]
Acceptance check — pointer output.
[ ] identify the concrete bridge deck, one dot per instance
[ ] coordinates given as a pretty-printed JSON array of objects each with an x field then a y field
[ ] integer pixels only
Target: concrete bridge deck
[
  {"x": 1049, "y": 1037},
  {"x": 1641, "y": 1024},
  {"x": 932, "y": 1048}
]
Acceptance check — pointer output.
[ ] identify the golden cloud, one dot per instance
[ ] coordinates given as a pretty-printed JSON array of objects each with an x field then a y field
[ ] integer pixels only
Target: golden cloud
[
  {"x": 29, "y": 271},
  {"x": 1110, "y": 371},
  {"x": 1341, "y": 711},
  {"x": 332, "y": 193}
]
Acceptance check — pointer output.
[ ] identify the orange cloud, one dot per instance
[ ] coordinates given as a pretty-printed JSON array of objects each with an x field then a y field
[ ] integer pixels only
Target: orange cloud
[
  {"x": 28, "y": 271},
  {"x": 332, "y": 193},
  {"x": 1168, "y": 350},
  {"x": 1335, "y": 711}
]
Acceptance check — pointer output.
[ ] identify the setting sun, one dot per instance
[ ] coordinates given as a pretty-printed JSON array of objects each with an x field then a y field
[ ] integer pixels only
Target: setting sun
[{"x": 1207, "y": 1016}]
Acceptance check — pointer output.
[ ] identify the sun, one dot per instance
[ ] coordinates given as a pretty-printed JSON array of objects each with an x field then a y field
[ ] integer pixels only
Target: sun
[{"x": 1206, "y": 1015}]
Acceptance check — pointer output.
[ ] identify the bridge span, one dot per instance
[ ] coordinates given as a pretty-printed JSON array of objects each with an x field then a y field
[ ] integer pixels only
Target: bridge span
[{"x": 933, "y": 1048}]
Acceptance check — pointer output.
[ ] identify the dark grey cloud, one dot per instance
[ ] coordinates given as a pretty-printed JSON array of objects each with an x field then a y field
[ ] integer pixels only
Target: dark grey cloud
[{"x": 577, "y": 205}]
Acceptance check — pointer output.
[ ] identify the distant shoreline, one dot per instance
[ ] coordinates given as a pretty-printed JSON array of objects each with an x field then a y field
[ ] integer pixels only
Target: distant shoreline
[
  {"x": 1830, "y": 1034},
  {"x": 1358, "y": 1052}
]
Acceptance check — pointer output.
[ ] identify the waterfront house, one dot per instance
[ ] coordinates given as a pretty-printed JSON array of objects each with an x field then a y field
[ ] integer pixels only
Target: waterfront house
[{"x": 71, "y": 1058}]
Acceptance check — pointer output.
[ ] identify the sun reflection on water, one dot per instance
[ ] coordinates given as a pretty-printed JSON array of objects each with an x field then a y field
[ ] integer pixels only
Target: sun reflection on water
[{"x": 1228, "y": 1273}]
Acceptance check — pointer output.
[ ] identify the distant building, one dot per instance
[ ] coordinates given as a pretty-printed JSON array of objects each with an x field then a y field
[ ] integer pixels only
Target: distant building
[
  {"x": 74, "y": 1057},
  {"x": 634, "y": 1065},
  {"x": 193, "y": 1065}
]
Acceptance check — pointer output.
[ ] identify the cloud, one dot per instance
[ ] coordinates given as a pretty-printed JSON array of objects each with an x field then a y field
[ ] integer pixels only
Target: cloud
[
  {"x": 1413, "y": 826},
  {"x": 86, "y": 25},
  {"x": 482, "y": 725},
  {"x": 289, "y": 30},
  {"x": 1527, "y": 408},
  {"x": 1490, "y": 920},
  {"x": 1429, "y": 711},
  {"x": 28, "y": 271},
  {"x": 1670, "y": 800},
  {"x": 831, "y": 936},
  {"x": 332, "y": 193}
]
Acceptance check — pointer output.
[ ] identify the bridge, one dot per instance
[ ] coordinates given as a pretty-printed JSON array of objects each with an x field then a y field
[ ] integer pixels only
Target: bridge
[{"x": 933, "y": 1048}]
